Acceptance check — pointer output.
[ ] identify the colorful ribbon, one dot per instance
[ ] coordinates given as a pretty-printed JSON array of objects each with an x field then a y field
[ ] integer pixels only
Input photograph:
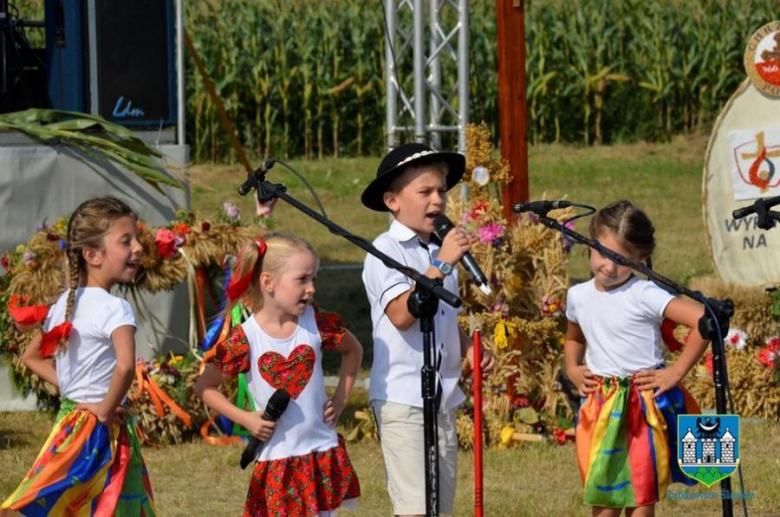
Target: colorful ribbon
[
  {"x": 158, "y": 395},
  {"x": 239, "y": 285},
  {"x": 216, "y": 440},
  {"x": 216, "y": 330},
  {"x": 51, "y": 339},
  {"x": 26, "y": 316},
  {"x": 200, "y": 301}
]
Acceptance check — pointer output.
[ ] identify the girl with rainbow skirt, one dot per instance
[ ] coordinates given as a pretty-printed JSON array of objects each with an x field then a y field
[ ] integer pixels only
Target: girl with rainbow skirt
[
  {"x": 627, "y": 426},
  {"x": 91, "y": 462}
]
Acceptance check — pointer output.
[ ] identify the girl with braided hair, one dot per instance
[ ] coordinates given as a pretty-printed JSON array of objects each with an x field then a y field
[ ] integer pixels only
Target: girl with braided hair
[
  {"x": 627, "y": 424},
  {"x": 91, "y": 462}
]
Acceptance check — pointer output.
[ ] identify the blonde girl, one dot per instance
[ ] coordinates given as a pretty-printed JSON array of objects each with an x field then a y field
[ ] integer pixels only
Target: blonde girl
[{"x": 303, "y": 468}]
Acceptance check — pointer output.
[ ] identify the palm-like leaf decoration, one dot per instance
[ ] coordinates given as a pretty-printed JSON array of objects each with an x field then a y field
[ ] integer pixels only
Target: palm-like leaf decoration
[{"x": 94, "y": 136}]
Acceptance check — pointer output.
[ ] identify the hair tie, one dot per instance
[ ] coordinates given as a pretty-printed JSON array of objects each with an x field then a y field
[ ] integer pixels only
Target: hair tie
[
  {"x": 51, "y": 339},
  {"x": 238, "y": 286}
]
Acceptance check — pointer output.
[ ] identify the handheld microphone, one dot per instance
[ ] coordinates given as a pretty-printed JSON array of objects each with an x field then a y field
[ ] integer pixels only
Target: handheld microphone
[
  {"x": 277, "y": 404},
  {"x": 442, "y": 226},
  {"x": 760, "y": 204},
  {"x": 251, "y": 182},
  {"x": 540, "y": 206}
]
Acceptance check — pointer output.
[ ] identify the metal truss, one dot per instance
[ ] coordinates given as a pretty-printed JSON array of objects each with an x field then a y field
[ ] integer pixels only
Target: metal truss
[{"x": 431, "y": 83}]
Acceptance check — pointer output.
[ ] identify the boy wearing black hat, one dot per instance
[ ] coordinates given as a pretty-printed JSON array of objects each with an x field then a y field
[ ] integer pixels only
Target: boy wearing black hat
[{"x": 412, "y": 183}]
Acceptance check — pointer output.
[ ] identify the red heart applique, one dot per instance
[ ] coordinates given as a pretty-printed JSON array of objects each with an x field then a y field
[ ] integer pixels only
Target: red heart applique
[{"x": 291, "y": 374}]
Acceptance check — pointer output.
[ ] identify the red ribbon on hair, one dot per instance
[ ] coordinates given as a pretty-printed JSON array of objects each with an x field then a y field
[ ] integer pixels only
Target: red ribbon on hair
[
  {"x": 52, "y": 338},
  {"x": 238, "y": 286}
]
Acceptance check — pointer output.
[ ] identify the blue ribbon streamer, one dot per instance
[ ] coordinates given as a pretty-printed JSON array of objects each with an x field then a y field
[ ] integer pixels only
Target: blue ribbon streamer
[{"x": 210, "y": 339}]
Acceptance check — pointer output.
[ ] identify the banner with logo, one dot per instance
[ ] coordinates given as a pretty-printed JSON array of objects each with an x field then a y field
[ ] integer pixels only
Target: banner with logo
[{"x": 742, "y": 164}]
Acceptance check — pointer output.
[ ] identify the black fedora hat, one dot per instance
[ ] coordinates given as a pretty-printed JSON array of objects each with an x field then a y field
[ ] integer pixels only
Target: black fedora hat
[{"x": 398, "y": 160}]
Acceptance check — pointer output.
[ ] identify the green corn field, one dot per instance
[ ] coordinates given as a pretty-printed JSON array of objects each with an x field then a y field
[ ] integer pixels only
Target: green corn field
[{"x": 307, "y": 78}]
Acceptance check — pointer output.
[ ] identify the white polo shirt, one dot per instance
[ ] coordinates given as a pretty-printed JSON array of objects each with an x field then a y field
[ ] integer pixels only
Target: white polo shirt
[{"x": 398, "y": 354}]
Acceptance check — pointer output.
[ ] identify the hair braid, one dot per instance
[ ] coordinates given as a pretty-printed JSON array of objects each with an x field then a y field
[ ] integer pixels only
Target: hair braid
[{"x": 74, "y": 278}]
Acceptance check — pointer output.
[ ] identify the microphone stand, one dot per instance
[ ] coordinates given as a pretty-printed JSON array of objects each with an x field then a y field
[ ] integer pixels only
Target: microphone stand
[
  {"x": 423, "y": 304},
  {"x": 713, "y": 325},
  {"x": 766, "y": 218}
]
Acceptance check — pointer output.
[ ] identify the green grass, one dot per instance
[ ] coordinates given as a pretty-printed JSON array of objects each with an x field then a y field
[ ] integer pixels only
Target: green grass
[
  {"x": 531, "y": 480},
  {"x": 663, "y": 179}
]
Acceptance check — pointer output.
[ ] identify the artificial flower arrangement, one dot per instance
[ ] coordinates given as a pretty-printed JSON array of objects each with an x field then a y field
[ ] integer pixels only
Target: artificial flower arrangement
[{"x": 523, "y": 321}]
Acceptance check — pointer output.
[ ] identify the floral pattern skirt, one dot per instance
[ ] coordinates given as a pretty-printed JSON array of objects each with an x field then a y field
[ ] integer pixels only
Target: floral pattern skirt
[{"x": 302, "y": 485}]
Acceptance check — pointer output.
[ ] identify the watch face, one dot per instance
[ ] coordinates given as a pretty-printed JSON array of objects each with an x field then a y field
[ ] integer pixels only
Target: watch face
[{"x": 445, "y": 268}]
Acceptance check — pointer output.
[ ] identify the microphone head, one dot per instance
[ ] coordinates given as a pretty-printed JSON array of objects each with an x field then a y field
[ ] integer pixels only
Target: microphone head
[
  {"x": 442, "y": 225},
  {"x": 244, "y": 189},
  {"x": 277, "y": 404}
]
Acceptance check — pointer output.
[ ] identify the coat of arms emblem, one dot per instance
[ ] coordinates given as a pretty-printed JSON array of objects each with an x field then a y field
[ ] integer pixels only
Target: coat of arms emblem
[{"x": 708, "y": 446}]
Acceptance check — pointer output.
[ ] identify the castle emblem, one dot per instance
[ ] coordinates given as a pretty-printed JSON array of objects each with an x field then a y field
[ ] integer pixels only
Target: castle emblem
[{"x": 708, "y": 446}]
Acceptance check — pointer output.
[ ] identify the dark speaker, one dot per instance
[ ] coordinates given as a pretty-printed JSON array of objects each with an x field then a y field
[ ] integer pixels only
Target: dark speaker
[
  {"x": 134, "y": 52},
  {"x": 118, "y": 59}
]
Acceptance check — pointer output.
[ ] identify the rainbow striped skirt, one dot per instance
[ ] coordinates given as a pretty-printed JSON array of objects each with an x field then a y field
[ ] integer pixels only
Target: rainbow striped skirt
[
  {"x": 626, "y": 443},
  {"x": 85, "y": 468}
]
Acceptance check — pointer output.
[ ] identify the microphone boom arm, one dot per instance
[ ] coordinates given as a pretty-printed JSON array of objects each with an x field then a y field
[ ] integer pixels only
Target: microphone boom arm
[
  {"x": 268, "y": 191},
  {"x": 766, "y": 218}
]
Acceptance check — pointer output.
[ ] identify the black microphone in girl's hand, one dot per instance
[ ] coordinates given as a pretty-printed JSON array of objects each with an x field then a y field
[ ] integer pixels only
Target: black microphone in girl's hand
[
  {"x": 442, "y": 226},
  {"x": 277, "y": 405}
]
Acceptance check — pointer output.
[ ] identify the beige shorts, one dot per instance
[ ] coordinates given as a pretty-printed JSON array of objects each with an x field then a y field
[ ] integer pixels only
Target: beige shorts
[{"x": 401, "y": 435}]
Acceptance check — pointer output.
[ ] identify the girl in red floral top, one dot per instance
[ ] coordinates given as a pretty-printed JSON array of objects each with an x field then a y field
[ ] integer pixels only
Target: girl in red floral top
[{"x": 303, "y": 468}]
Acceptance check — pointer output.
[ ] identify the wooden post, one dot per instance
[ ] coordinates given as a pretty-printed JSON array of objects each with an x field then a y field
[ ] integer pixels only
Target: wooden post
[{"x": 512, "y": 110}]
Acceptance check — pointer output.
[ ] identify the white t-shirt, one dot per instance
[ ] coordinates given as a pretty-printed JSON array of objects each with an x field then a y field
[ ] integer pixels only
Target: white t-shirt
[
  {"x": 84, "y": 370},
  {"x": 398, "y": 354},
  {"x": 622, "y": 327},
  {"x": 301, "y": 429}
]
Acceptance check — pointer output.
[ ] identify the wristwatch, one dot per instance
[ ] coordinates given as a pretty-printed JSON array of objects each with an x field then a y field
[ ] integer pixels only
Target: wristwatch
[{"x": 444, "y": 267}]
